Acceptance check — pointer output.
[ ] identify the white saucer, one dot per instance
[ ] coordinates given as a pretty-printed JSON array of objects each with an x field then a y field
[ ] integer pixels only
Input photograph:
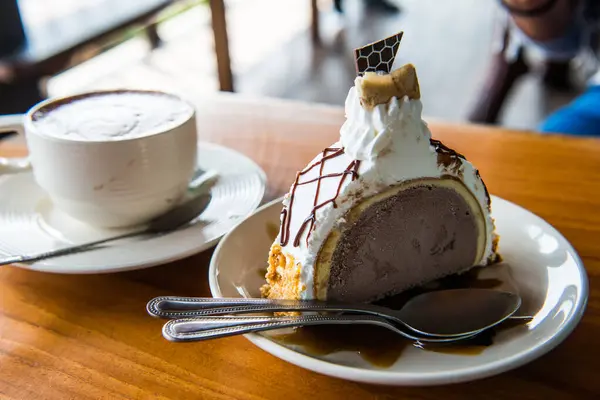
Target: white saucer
[
  {"x": 539, "y": 264},
  {"x": 29, "y": 223}
]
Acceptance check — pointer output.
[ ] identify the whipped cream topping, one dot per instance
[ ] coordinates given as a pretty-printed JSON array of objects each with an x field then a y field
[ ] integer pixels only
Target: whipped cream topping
[{"x": 392, "y": 143}]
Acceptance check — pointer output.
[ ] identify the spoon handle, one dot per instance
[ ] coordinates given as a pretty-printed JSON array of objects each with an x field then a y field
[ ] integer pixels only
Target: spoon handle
[
  {"x": 200, "y": 329},
  {"x": 186, "y": 307},
  {"x": 65, "y": 250}
]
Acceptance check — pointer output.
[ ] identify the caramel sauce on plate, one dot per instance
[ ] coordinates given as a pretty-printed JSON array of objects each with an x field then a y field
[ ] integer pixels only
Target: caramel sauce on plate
[{"x": 382, "y": 347}]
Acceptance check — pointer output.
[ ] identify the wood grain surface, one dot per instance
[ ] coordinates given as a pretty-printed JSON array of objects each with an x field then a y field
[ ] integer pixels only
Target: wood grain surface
[{"x": 88, "y": 337}]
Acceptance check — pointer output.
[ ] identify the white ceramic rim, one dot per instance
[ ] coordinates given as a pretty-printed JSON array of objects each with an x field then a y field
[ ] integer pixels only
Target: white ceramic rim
[{"x": 414, "y": 379}]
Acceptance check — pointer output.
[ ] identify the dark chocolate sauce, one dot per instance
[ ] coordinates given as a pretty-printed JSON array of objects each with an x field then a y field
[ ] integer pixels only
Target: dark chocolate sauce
[
  {"x": 286, "y": 213},
  {"x": 441, "y": 148},
  {"x": 448, "y": 158},
  {"x": 382, "y": 347}
]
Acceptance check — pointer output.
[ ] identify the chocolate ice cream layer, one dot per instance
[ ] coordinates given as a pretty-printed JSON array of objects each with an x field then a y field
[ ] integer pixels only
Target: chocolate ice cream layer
[{"x": 417, "y": 235}]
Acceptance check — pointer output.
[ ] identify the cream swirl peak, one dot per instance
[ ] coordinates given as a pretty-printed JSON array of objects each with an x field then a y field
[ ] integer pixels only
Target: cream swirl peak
[{"x": 384, "y": 208}]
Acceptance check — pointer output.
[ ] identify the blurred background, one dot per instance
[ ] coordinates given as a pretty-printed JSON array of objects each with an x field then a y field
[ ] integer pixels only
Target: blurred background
[{"x": 290, "y": 49}]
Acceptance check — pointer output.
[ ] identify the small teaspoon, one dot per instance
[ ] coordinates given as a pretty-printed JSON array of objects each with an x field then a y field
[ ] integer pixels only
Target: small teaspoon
[{"x": 198, "y": 198}]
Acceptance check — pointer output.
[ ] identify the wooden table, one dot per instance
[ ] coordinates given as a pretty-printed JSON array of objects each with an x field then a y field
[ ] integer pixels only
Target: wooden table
[{"x": 89, "y": 336}]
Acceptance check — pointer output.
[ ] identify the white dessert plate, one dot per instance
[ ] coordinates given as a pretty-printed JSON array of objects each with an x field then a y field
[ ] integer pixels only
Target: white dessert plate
[
  {"x": 538, "y": 263},
  {"x": 29, "y": 224}
]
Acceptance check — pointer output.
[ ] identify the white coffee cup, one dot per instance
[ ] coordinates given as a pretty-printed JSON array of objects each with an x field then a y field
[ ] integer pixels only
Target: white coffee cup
[{"x": 109, "y": 183}]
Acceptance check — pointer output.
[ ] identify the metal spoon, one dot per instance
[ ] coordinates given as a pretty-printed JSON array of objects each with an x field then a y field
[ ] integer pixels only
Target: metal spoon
[
  {"x": 206, "y": 328},
  {"x": 444, "y": 313},
  {"x": 198, "y": 198}
]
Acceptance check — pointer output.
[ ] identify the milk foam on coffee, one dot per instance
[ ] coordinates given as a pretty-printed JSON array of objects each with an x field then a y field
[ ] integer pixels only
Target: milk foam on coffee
[{"x": 110, "y": 116}]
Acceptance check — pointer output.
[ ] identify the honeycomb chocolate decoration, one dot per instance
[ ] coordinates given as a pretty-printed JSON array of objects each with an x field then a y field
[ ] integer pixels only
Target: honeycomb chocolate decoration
[{"x": 377, "y": 56}]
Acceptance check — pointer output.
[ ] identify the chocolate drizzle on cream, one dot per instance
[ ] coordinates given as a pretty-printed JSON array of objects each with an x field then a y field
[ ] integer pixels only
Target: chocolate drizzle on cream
[
  {"x": 328, "y": 153},
  {"x": 451, "y": 160},
  {"x": 447, "y": 157}
]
